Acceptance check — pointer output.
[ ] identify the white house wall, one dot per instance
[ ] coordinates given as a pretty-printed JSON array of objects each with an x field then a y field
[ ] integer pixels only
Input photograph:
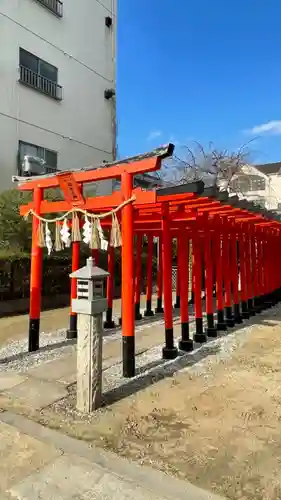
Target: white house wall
[
  {"x": 80, "y": 127},
  {"x": 272, "y": 192}
]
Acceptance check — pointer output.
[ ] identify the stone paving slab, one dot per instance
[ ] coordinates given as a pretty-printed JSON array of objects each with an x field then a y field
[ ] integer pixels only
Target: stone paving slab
[
  {"x": 36, "y": 394},
  {"x": 68, "y": 477},
  {"x": 110, "y": 487},
  {"x": 111, "y": 477},
  {"x": 60, "y": 369},
  {"x": 21, "y": 455},
  {"x": 9, "y": 380}
]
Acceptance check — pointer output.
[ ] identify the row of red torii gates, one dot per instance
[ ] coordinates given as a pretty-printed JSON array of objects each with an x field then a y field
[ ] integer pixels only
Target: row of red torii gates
[{"x": 233, "y": 241}]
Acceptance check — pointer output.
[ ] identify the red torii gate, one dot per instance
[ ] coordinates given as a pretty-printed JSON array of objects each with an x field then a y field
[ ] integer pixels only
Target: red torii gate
[{"x": 217, "y": 225}]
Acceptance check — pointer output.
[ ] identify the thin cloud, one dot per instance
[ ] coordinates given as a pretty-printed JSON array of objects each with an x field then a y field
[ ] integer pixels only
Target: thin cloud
[
  {"x": 154, "y": 135},
  {"x": 270, "y": 128}
]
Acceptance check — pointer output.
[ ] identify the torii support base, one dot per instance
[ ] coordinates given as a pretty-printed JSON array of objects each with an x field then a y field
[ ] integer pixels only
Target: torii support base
[
  {"x": 128, "y": 356},
  {"x": 229, "y": 318},
  {"x": 109, "y": 323},
  {"x": 159, "y": 309},
  {"x": 237, "y": 316},
  {"x": 72, "y": 331},
  {"x": 138, "y": 315},
  {"x": 221, "y": 324},
  {"x": 199, "y": 336},
  {"x": 186, "y": 343},
  {"x": 251, "y": 308},
  {"x": 33, "y": 339},
  {"x": 177, "y": 304},
  {"x": 245, "y": 312},
  {"x": 257, "y": 305},
  {"x": 169, "y": 351},
  {"x": 211, "y": 330},
  {"x": 148, "y": 312}
]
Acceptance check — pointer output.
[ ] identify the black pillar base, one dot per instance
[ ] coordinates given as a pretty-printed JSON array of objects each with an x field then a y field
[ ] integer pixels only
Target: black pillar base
[
  {"x": 191, "y": 301},
  {"x": 177, "y": 304},
  {"x": 211, "y": 330},
  {"x": 185, "y": 344},
  {"x": 278, "y": 295},
  {"x": 148, "y": 312},
  {"x": 159, "y": 309},
  {"x": 128, "y": 346},
  {"x": 199, "y": 336},
  {"x": 245, "y": 312},
  {"x": 169, "y": 351},
  {"x": 229, "y": 319},
  {"x": 251, "y": 308},
  {"x": 109, "y": 323},
  {"x": 273, "y": 299},
  {"x": 221, "y": 324},
  {"x": 237, "y": 316},
  {"x": 71, "y": 333},
  {"x": 138, "y": 315},
  {"x": 257, "y": 305},
  {"x": 267, "y": 302},
  {"x": 33, "y": 335},
  {"x": 261, "y": 303},
  {"x": 278, "y": 291}
]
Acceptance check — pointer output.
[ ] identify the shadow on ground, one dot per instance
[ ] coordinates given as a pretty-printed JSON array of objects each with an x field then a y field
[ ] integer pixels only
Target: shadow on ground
[{"x": 157, "y": 370}]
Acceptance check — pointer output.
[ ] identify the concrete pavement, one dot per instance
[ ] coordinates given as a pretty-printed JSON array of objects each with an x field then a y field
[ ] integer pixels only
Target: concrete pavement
[{"x": 40, "y": 463}]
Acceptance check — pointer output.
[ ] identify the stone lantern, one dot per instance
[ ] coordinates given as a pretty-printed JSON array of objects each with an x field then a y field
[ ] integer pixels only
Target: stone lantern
[{"x": 89, "y": 305}]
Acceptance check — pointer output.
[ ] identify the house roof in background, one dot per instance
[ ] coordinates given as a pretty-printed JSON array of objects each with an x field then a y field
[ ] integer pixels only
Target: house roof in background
[{"x": 269, "y": 168}]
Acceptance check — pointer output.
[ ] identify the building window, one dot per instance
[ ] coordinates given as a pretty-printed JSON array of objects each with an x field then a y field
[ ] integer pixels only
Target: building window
[
  {"x": 259, "y": 203},
  {"x": 55, "y": 6},
  {"x": 35, "y": 160},
  {"x": 39, "y": 74},
  {"x": 257, "y": 183},
  {"x": 245, "y": 183}
]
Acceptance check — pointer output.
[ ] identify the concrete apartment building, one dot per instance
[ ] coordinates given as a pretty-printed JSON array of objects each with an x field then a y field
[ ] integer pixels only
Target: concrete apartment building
[{"x": 57, "y": 84}]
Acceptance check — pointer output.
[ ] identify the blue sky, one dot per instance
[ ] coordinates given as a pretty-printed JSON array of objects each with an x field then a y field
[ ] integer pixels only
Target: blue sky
[{"x": 205, "y": 70}]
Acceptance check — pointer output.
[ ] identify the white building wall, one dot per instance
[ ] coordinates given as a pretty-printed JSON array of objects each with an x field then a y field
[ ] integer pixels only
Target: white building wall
[
  {"x": 80, "y": 127},
  {"x": 272, "y": 192}
]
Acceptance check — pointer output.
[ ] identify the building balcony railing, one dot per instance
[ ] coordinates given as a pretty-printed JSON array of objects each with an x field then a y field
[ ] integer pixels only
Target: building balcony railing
[
  {"x": 55, "y": 6},
  {"x": 38, "y": 82},
  {"x": 50, "y": 170}
]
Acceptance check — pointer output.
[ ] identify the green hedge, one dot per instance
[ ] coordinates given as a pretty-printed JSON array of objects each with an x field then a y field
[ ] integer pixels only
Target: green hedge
[
  {"x": 15, "y": 276},
  {"x": 15, "y": 272}
]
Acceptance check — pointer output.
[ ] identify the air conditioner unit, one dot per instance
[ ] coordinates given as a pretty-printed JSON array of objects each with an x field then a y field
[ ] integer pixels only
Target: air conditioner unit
[{"x": 32, "y": 165}]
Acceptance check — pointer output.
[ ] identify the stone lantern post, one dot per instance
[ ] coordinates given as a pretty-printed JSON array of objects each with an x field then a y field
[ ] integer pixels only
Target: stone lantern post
[{"x": 89, "y": 305}]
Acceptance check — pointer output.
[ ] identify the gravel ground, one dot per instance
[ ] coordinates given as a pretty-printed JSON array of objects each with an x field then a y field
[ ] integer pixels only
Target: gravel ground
[
  {"x": 53, "y": 345},
  {"x": 149, "y": 364},
  {"x": 150, "y": 368}
]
